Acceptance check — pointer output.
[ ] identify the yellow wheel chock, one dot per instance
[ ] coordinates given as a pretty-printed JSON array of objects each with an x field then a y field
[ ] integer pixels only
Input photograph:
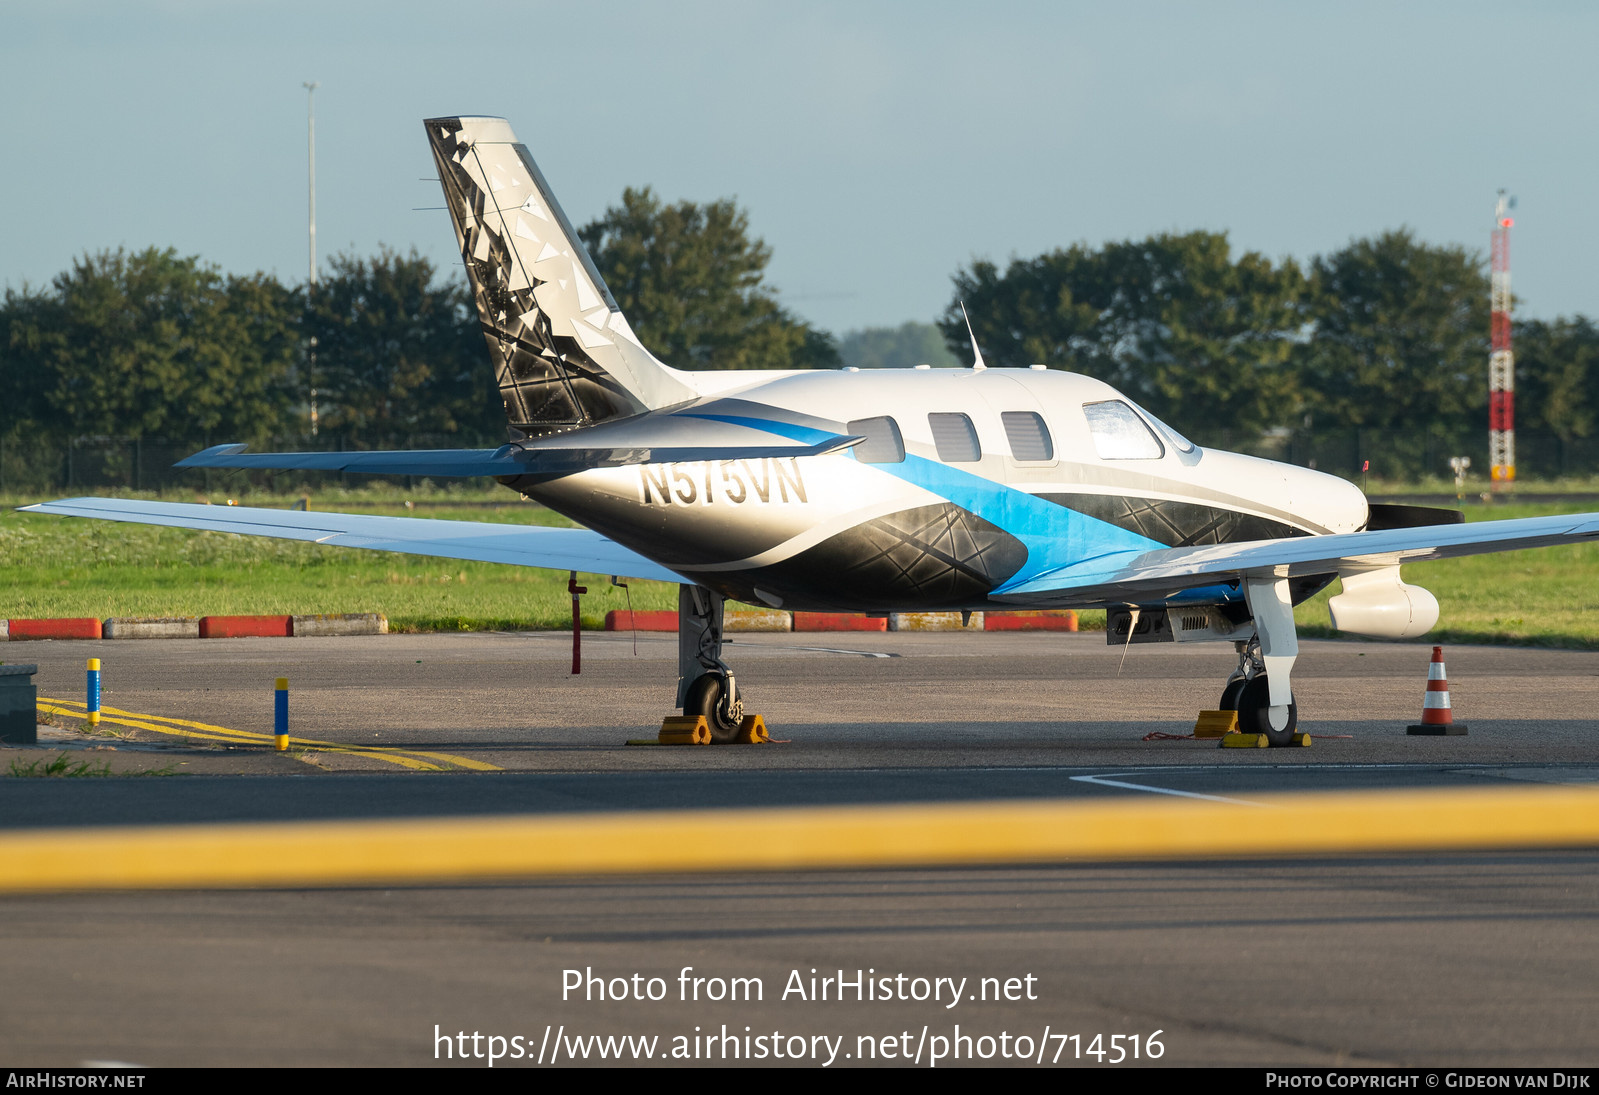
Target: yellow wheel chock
[
  {"x": 1215, "y": 724},
  {"x": 694, "y": 730},
  {"x": 685, "y": 730}
]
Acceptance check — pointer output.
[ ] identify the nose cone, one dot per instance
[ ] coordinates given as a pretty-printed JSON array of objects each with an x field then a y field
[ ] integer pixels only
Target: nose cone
[
  {"x": 1326, "y": 500},
  {"x": 1317, "y": 501}
]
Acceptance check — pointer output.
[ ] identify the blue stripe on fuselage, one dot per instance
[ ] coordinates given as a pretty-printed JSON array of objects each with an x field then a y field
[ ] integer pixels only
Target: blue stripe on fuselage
[{"x": 1054, "y": 536}]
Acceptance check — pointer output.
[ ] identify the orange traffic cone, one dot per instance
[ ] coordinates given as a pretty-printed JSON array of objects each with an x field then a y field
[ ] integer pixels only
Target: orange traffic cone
[{"x": 1436, "y": 717}]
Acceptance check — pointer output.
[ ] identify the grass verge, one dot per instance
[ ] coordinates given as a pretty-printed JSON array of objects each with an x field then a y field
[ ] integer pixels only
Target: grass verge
[
  {"x": 59, "y": 768},
  {"x": 61, "y": 567}
]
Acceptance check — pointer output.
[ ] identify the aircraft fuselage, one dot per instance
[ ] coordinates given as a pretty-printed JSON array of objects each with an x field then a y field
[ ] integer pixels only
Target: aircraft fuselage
[{"x": 971, "y": 482}]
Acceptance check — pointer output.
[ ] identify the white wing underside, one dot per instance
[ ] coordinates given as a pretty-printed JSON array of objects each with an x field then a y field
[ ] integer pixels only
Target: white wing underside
[
  {"x": 1130, "y": 577},
  {"x": 1151, "y": 576},
  {"x": 518, "y": 545}
]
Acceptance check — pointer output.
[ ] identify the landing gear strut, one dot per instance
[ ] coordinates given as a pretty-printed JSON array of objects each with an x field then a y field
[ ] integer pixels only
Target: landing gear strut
[
  {"x": 1259, "y": 689},
  {"x": 705, "y": 684}
]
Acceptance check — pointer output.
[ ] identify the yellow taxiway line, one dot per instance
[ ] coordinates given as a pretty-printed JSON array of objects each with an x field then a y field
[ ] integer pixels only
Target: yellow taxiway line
[
  {"x": 460, "y": 850},
  {"x": 414, "y": 759}
]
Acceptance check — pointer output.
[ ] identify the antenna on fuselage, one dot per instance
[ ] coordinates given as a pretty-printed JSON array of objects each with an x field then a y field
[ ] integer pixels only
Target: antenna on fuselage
[{"x": 977, "y": 353}]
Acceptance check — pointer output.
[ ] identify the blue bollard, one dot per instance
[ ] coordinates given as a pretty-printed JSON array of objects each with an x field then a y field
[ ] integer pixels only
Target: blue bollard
[
  {"x": 280, "y": 715},
  {"x": 93, "y": 690}
]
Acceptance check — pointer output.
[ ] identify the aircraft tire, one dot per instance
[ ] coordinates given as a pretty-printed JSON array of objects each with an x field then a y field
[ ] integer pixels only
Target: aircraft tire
[
  {"x": 1230, "y": 694},
  {"x": 707, "y": 696},
  {"x": 1254, "y": 704}
]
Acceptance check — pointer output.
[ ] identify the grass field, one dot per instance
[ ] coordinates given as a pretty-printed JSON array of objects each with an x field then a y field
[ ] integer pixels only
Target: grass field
[
  {"x": 1544, "y": 597},
  {"x": 71, "y": 567},
  {"x": 65, "y": 567}
]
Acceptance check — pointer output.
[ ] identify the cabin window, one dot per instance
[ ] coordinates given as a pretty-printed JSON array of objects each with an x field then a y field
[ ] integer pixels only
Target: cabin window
[
  {"x": 1028, "y": 435},
  {"x": 954, "y": 438},
  {"x": 1119, "y": 434},
  {"x": 883, "y": 444}
]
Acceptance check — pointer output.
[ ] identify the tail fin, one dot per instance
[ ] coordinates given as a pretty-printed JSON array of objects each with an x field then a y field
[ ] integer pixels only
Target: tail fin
[{"x": 564, "y": 354}]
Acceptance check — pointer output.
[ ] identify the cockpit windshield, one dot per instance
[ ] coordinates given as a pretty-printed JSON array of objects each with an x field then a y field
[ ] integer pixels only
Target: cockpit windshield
[
  {"x": 1124, "y": 431},
  {"x": 1182, "y": 443}
]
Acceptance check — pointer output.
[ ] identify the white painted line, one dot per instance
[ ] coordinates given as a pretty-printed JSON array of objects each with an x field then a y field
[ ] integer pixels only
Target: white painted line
[
  {"x": 835, "y": 650},
  {"x": 1107, "y": 781}
]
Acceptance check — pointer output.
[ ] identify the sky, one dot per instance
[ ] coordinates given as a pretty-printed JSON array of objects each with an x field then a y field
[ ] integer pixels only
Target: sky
[{"x": 877, "y": 147}]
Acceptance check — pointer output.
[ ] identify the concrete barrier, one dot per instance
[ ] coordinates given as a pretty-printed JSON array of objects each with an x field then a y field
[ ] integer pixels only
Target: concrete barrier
[
  {"x": 244, "y": 627},
  {"x": 933, "y": 621},
  {"x": 754, "y": 620},
  {"x": 838, "y": 621},
  {"x": 151, "y": 627},
  {"x": 375, "y": 623},
  {"x": 656, "y": 620},
  {"x": 348, "y": 623},
  {"x": 1063, "y": 620},
  {"x": 666, "y": 620},
  {"x": 78, "y": 628}
]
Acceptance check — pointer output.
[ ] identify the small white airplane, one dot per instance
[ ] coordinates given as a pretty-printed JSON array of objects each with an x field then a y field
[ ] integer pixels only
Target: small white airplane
[{"x": 878, "y": 491}]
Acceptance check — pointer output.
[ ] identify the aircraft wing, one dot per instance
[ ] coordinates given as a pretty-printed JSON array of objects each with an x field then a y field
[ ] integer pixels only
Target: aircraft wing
[
  {"x": 518, "y": 545},
  {"x": 1132, "y": 576}
]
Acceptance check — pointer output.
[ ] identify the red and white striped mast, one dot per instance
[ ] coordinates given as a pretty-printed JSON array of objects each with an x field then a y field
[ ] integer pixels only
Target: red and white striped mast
[{"x": 1501, "y": 360}]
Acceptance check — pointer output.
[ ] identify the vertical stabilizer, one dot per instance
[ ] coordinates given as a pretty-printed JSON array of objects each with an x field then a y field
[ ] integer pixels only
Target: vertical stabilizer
[{"x": 563, "y": 352}]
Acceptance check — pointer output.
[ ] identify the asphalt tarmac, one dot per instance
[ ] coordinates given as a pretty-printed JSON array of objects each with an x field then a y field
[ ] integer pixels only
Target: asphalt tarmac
[{"x": 1446, "y": 959}]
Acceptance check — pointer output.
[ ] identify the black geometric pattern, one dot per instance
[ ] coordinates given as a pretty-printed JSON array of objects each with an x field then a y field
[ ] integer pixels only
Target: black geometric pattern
[
  {"x": 1174, "y": 524},
  {"x": 938, "y": 556},
  {"x": 547, "y": 380}
]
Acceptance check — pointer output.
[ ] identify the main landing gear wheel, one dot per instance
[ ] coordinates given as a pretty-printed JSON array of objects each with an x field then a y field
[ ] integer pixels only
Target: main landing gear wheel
[
  {"x": 708, "y": 696},
  {"x": 1254, "y": 707},
  {"x": 1230, "y": 694}
]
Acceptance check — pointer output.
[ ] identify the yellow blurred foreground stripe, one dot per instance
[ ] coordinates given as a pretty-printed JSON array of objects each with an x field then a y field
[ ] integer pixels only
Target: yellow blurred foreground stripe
[{"x": 362, "y": 853}]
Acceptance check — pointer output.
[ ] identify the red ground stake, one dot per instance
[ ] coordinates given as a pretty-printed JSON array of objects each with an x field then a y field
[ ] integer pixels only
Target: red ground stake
[{"x": 577, "y": 624}]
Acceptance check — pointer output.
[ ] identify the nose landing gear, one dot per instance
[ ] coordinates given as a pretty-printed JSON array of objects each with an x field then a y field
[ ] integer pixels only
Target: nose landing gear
[{"x": 1264, "y": 701}]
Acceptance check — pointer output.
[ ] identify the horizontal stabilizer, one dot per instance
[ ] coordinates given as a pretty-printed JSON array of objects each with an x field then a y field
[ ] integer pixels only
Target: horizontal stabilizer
[{"x": 518, "y": 545}]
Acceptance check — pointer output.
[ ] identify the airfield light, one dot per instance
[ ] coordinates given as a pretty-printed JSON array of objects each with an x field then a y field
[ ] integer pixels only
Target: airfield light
[{"x": 1459, "y": 464}]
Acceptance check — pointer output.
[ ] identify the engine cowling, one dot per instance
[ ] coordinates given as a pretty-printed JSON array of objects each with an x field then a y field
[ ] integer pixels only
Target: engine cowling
[{"x": 1377, "y": 604}]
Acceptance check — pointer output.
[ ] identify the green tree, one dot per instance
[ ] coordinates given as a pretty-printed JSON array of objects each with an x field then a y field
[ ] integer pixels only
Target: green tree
[
  {"x": 1557, "y": 376},
  {"x": 689, "y": 278},
  {"x": 151, "y": 345},
  {"x": 1400, "y": 337},
  {"x": 399, "y": 355},
  {"x": 899, "y": 347},
  {"x": 1175, "y": 321},
  {"x": 26, "y": 325}
]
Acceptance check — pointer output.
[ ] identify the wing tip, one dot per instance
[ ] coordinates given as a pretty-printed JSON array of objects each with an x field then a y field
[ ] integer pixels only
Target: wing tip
[{"x": 204, "y": 457}]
